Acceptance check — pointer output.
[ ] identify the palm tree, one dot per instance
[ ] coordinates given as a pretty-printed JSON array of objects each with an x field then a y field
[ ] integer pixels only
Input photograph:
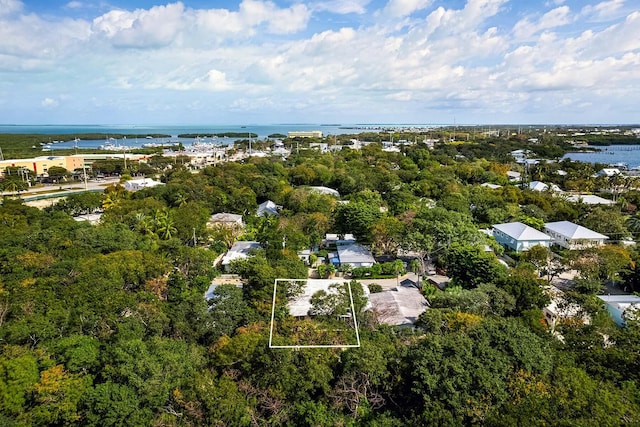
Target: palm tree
[
  {"x": 633, "y": 223},
  {"x": 143, "y": 223},
  {"x": 165, "y": 228}
]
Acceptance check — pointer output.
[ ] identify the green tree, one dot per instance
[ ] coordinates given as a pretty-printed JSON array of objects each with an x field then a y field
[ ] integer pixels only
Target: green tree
[{"x": 470, "y": 266}]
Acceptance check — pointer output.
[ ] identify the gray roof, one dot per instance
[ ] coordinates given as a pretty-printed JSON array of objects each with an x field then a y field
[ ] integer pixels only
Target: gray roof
[
  {"x": 573, "y": 231},
  {"x": 224, "y": 217},
  {"x": 355, "y": 253},
  {"x": 520, "y": 231},
  {"x": 398, "y": 306},
  {"x": 239, "y": 250}
]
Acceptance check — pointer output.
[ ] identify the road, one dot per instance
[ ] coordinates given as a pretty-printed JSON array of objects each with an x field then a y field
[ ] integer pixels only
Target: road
[{"x": 76, "y": 186}]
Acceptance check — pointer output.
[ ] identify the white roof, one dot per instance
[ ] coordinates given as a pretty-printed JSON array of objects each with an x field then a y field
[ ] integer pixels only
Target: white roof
[
  {"x": 573, "y": 231},
  {"x": 239, "y": 250},
  {"x": 490, "y": 185},
  {"x": 538, "y": 186},
  {"x": 325, "y": 190},
  {"x": 620, "y": 299},
  {"x": 520, "y": 231},
  {"x": 355, "y": 253},
  {"x": 589, "y": 199},
  {"x": 609, "y": 171},
  {"x": 267, "y": 208}
]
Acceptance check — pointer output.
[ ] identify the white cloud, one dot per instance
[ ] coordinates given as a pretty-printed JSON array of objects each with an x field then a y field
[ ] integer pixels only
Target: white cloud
[
  {"x": 141, "y": 28},
  {"x": 342, "y": 6},
  {"x": 250, "y": 15},
  {"x": 74, "y": 5},
  {"x": 603, "y": 11},
  {"x": 9, "y": 7},
  {"x": 263, "y": 59},
  {"x": 400, "y": 8},
  {"x": 557, "y": 17},
  {"x": 49, "y": 103}
]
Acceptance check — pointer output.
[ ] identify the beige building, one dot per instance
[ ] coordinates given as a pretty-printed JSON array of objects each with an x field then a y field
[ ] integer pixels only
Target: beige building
[
  {"x": 41, "y": 164},
  {"x": 305, "y": 134}
]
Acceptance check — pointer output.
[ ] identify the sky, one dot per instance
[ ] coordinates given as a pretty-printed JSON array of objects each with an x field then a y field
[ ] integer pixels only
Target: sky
[{"x": 323, "y": 61}]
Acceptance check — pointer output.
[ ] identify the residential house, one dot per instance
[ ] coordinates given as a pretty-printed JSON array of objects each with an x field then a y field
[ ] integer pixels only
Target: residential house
[
  {"x": 589, "y": 199},
  {"x": 620, "y": 306},
  {"x": 541, "y": 186},
  {"x": 139, "y": 184},
  {"x": 573, "y": 236},
  {"x": 355, "y": 255},
  {"x": 325, "y": 190},
  {"x": 224, "y": 219},
  {"x": 609, "y": 172},
  {"x": 267, "y": 208},
  {"x": 239, "y": 250},
  {"x": 519, "y": 236},
  {"x": 514, "y": 176}
]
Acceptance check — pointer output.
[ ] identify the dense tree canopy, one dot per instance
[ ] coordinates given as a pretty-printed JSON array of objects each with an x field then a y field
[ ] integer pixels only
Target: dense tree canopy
[{"x": 108, "y": 324}]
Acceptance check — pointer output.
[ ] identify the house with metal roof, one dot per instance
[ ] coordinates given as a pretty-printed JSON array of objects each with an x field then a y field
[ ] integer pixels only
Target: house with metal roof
[
  {"x": 139, "y": 184},
  {"x": 621, "y": 306},
  {"x": 589, "y": 199},
  {"x": 355, "y": 255},
  {"x": 267, "y": 208},
  {"x": 573, "y": 236},
  {"x": 239, "y": 250},
  {"x": 519, "y": 236},
  {"x": 226, "y": 220}
]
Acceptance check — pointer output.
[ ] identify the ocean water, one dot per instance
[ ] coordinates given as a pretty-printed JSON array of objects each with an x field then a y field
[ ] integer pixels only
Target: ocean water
[
  {"x": 611, "y": 155},
  {"x": 115, "y": 131}
]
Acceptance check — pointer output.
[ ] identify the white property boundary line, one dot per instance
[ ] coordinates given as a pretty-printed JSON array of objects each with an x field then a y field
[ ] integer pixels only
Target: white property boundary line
[{"x": 296, "y": 347}]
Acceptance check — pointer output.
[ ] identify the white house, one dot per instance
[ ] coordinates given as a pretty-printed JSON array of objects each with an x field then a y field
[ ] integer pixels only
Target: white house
[
  {"x": 573, "y": 236},
  {"x": 589, "y": 199},
  {"x": 519, "y": 236},
  {"x": 355, "y": 255},
  {"x": 325, "y": 190},
  {"x": 239, "y": 250},
  {"x": 267, "y": 208},
  {"x": 514, "y": 176},
  {"x": 139, "y": 184},
  {"x": 609, "y": 172},
  {"x": 541, "y": 186}
]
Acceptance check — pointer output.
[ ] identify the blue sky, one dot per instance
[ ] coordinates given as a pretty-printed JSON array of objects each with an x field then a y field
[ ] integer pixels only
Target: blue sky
[{"x": 353, "y": 61}]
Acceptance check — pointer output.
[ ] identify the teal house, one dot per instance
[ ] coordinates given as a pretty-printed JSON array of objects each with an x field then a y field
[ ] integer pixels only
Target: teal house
[{"x": 519, "y": 237}]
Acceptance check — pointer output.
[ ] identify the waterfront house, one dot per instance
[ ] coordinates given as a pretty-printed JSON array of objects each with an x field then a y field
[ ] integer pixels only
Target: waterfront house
[{"x": 519, "y": 237}]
